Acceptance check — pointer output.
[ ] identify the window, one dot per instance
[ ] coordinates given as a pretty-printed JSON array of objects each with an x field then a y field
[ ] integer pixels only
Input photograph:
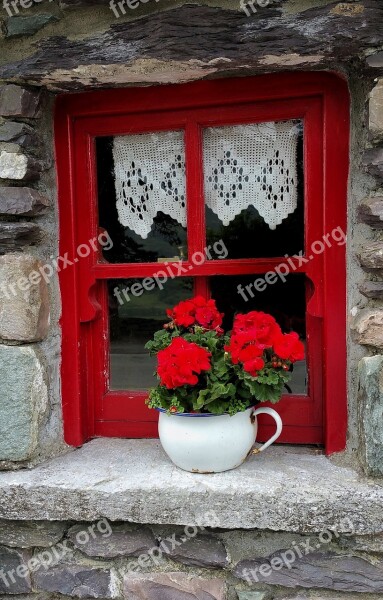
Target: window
[{"x": 211, "y": 186}]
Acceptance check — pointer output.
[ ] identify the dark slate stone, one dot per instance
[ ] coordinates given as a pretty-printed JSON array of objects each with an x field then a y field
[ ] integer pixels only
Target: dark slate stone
[
  {"x": 202, "y": 551},
  {"x": 14, "y": 236},
  {"x": 31, "y": 534},
  {"x": 375, "y": 60},
  {"x": 75, "y": 580},
  {"x": 16, "y": 101},
  {"x": 18, "y": 133},
  {"x": 172, "y": 586},
  {"x": 372, "y": 289},
  {"x": 373, "y": 161},
  {"x": 192, "y": 32},
  {"x": 22, "y": 201},
  {"x": 371, "y": 255},
  {"x": 370, "y": 211},
  {"x": 328, "y": 571},
  {"x": 19, "y": 26},
  {"x": 11, "y": 581},
  {"x": 124, "y": 540}
]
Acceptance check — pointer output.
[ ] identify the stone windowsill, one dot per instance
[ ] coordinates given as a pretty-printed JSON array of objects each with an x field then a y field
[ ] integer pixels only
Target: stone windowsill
[{"x": 289, "y": 489}]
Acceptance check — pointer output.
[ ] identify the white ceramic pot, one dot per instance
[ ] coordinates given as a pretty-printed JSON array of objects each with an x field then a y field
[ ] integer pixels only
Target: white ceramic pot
[{"x": 204, "y": 443}]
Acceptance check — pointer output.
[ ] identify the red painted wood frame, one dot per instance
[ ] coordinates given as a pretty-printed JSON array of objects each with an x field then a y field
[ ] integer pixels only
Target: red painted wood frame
[{"x": 322, "y": 101}]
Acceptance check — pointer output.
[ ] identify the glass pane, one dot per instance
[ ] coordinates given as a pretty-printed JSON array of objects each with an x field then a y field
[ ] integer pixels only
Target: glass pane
[
  {"x": 285, "y": 301},
  {"x": 253, "y": 178},
  {"x": 135, "y": 312},
  {"x": 142, "y": 197}
]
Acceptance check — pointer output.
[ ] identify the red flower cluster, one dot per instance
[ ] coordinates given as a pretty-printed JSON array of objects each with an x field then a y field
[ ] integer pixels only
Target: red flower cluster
[
  {"x": 289, "y": 347},
  {"x": 255, "y": 332},
  {"x": 196, "y": 311},
  {"x": 262, "y": 326},
  {"x": 181, "y": 362}
]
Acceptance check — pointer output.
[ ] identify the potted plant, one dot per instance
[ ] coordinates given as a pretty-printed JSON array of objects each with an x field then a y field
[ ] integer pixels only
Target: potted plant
[{"x": 210, "y": 381}]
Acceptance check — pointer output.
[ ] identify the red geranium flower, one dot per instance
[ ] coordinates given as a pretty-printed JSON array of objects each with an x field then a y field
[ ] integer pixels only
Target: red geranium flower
[
  {"x": 289, "y": 347},
  {"x": 262, "y": 326},
  {"x": 196, "y": 311},
  {"x": 244, "y": 348},
  {"x": 181, "y": 362}
]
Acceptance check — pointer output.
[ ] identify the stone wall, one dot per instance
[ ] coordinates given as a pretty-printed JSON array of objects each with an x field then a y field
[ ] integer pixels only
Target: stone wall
[
  {"x": 124, "y": 560},
  {"x": 75, "y": 45}
]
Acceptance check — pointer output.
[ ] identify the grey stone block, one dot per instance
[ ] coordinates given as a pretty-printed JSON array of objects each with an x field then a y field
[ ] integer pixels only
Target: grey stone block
[
  {"x": 367, "y": 328},
  {"x": 26, "y": 534},
  {"x": 125, "y": 540},
  {"x": 253, "y": 595},
  {"x": 23, "y": 401},
  {"x": 371, "y": 255},
  {"x": 14, "y": 573},
  {"x": 19, "y": 167},
  {"x": 376, "y": 110},
  {"x": 80, "y": 581},
  {"x": 22, "y": 201},
  {"x": 316, "y": 570},
  {"x": 372, "y": 289},
  {"x": 16, "y": 101},
  {"x": 18, "y": 133},
  {"x": 370, "y": 408},
  {"x": 24, "y": 299},
  {"x": 202, "y": 551},
  {"x": 370, "y": 211},
  {"x": 172, "y": 586},
  {"x": 14, "y": 236},
  {"x": 373, "y": 161},
  {"x": 19, "y": 26}
]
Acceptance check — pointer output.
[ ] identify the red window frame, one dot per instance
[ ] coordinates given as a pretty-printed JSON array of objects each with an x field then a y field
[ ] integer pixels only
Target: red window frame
[{"x": 322, "y": 101}]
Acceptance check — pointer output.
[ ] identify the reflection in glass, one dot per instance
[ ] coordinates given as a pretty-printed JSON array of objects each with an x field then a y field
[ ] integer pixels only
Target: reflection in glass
[
  {"x": 135, "y": 312},
  {"x": 285, "y": 301}
]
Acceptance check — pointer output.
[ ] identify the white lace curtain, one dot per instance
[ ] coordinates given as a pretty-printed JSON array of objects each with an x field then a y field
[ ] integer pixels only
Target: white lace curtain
[{"x": 244, "y": 165}]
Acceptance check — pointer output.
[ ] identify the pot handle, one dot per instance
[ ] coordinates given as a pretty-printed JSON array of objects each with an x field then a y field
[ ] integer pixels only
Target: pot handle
[{"x": 277, "y": 419}]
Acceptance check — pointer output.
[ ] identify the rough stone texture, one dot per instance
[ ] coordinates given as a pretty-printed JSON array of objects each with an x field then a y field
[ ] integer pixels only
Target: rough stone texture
[
  {"x": 370, "y": 211},
  {"x": 23, "y": 401},
  {"x": 319, "y": 494},
  {"x": 375, "y": 60},
  {"x": 9, "y": 560},
  {"x": 316, "y": 570},
  {"x": 24, "y": 299},
  {"x": 77, "y": 580},
  {"x": 202, "y": 551},
  {"x": 193, "y": 41},
  {"x": 376, "y": 110},
  {"x": 19, "y": 26},
  {"x": 19, "y": 167},
  {"x": 172, "y": 586},
  {"x": 40, "y": 534},
  {"x": 16, "y": 101},
  {"x": 253, "y": 595},
  {"x": 22, "y": 201},
  {"x": 367, "y": 328},
  {"x": 370, "y": 407},
  {"x": 18, "y": 133},
  {"x": 371, "y": 255},
  {"x": 372, "y": 289},
  {"x": 15, "y": 236},
  {"x": 373, "y": 161},
  {"x": 363, "y": 543},
  {"x": 124, "y": 541}
]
